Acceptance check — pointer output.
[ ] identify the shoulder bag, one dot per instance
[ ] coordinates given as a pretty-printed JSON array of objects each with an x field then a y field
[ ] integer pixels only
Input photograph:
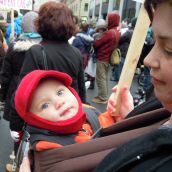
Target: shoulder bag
[{"x": 116, "y": 55}]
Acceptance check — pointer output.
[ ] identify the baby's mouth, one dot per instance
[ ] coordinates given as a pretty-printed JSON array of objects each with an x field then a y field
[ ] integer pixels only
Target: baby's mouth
[{"x": 65, "y": 111}]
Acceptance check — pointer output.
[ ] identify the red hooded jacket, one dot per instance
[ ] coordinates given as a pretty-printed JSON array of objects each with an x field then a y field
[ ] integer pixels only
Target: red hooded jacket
[{"x": 109, "y": 40}]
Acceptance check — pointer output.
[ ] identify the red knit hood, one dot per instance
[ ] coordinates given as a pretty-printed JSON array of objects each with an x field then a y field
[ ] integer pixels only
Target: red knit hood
[
  {"x": 23, "y": 98},
  {"x": 113, "y": 20}
]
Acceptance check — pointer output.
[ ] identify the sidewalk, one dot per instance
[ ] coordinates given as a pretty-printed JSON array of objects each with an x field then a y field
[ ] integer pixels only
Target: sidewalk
[{"x": 92, "y": 93}]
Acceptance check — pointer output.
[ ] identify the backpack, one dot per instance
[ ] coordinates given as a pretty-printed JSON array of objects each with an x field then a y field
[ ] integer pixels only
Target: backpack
[{"x": 115, "y": 57}]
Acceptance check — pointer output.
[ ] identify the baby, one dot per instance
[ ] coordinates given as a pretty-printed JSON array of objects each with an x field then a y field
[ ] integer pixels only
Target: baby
[{"x": 52, "y": 110}]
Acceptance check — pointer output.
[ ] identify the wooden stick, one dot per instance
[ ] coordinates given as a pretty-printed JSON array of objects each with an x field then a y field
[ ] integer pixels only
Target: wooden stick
[
  {"x": 12, "y": 23},
  {"x": 133, "y": 54}
]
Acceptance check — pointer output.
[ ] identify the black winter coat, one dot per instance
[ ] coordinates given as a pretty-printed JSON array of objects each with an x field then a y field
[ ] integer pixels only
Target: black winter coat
[
  {"x": 124, "y": 42},
  {"x": 148, "y": 153},
  {"x": 10, "y": 71},
  {"x": 60, "y": 56}
]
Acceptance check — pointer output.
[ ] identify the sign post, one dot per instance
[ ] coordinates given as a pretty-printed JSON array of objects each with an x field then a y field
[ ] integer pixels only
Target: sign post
[
  {"x": 12, "y": 24},
  {"x": 133, "y": 54}
]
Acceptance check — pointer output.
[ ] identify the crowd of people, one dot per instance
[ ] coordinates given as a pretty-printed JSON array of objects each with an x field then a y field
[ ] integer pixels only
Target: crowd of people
[{"x": 43, "y": 75}]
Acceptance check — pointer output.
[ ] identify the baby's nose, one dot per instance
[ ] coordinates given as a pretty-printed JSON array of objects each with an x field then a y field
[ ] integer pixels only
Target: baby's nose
[{"x": 59, "y": 103}]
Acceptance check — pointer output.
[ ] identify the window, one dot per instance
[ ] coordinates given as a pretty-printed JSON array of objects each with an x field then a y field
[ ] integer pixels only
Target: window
[
  {"x": 86, "y": 7},
  {"x": 105, "y": 1}
]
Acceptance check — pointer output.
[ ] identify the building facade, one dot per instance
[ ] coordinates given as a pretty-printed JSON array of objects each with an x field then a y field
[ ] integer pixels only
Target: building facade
[
  {"x": 126, "y": 8},
  {"x": 38, "y": 3},
  {"x": 80, "y": 8},
  {"x": 94, "y": 9}
]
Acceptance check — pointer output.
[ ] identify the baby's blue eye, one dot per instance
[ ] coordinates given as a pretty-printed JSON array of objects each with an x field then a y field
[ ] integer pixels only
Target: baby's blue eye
[
  {"x": 45, "y": 106},
  {"x": 60, "y": 92}
]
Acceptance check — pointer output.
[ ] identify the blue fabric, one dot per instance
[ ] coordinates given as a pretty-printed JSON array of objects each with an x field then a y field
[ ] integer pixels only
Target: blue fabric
[
  {"x": 91, "y": 31},
  {"x": 32, "y": 35},
  {"x": 116, "y": 72},
  {"x": 17, "y": 29},
  {"x": 83, "y": 45},
  {"x": 121, "y": 64},
  {"x": 78, "y": 43}
]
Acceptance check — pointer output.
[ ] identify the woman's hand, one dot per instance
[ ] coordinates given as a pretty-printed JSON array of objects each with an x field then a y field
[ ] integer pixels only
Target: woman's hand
[{"x": 127, "y": 104}]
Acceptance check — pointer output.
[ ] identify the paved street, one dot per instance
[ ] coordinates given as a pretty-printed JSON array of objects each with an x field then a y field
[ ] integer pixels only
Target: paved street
[{"x": 6, "y": 142}]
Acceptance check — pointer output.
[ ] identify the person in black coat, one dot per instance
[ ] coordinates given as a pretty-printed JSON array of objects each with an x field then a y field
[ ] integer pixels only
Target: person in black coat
[
  {"x": 14, "y": 59},
  {"x": 12, "y": 65},
  {"x": 124, "y": 42}
]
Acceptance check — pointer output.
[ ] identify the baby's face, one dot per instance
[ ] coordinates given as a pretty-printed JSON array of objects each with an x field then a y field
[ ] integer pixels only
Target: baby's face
[{"x": 53, "y": 101}]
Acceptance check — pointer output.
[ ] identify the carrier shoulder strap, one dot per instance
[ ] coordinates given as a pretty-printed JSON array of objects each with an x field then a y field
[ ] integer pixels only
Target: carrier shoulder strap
[
  {"x": 37, "y": 134},
  {"x": 88, "y": 155},
  {"x": 146, "y": 119},
  {"x": 40, "y": 63},
  {"x": 92, "y": 117}
]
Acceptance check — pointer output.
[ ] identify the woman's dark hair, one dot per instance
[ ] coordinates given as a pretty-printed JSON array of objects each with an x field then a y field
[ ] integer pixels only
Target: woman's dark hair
[
  {"x": 150, "y": 6},
  {"x": 55, "y": 22}
]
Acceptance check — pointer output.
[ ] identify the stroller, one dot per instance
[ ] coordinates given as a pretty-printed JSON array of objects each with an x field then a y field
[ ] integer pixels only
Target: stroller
[{"x": 22, "y": 151}]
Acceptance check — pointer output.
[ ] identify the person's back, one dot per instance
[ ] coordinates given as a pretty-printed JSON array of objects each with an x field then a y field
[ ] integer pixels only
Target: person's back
[
  {"x": 14, "y": 60},
  {"x": 125, "y": 39},
  {"x": 105, "y": 45},
  {"x": 12, "y": 65},
  {"x": 58, "y": 59},
  {"x": 83, "y": 42},
  {"x": 60, "y": 54}
]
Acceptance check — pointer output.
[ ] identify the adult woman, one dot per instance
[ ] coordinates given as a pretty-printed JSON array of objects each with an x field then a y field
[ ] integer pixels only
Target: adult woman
[
  {"x": 147, "y": 152},
  {"x": 160, "y": 61}
]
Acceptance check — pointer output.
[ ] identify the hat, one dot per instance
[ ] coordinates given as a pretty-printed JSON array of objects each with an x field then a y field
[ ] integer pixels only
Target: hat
[
  {"x": 28, "y": 22},
  {"x": 23, "y": 98},
  {"x": 101, "y": 24}
]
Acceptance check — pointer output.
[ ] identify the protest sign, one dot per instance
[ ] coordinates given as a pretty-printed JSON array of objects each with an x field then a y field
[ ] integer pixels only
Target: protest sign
[{"x": 17, "y": 4}]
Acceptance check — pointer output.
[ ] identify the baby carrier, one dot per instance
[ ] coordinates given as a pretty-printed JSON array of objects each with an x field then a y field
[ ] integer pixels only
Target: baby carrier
[{"x": 84, "y": 157}]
